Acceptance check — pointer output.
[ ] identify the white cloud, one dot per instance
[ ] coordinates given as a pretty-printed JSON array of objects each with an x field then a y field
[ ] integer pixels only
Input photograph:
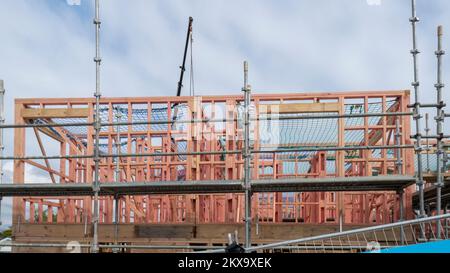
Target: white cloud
[
  {"x": 373, "y": 2},
  {"x": 73, "y": 2}
]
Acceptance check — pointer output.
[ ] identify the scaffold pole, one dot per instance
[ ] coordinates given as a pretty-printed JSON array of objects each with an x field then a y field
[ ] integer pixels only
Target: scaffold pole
[
  {"x": 440, "y": 116},
  {"x": 247, "y": 158},
  {"x": 97, "y": 128},
  {"x": 398, "y": 142},
  {"x": 117, "y": 178},
  {"x": 427, "y": 140},
  {"x": 2, "y": 147},
  {"x": 417, "y": 116},
  {"x": 399, "y": 165}
]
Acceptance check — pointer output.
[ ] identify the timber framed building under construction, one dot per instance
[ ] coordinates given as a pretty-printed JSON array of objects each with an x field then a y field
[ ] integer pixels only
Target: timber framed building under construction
[
  {"x": 183, "y": 173},
  {"x": 171, "y": 169}
]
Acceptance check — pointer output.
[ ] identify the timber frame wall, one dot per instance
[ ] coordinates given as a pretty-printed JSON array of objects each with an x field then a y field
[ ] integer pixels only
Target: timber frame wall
[{"x": 359, "y": 208}]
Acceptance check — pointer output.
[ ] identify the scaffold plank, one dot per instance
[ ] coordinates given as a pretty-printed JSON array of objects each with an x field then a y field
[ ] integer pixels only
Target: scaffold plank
[{"x": 347, "y": 184}]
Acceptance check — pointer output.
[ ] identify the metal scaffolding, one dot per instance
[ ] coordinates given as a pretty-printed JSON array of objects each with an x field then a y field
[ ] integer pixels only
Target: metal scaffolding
[
  {"x": 117, "y": 180},
  {"x": 427, "y": 139},
  {"x": 2, "y": 147},
  {"x": 399, "y": 165},
  {"x": 349, "y": 147},
  {"x": 440, "y": 116},
  {"x": 339, "y": 184},
  {"x": 247, "y": 158},
  {"x": 97, "y": 127},
  {"x": 417, "y": 106}
]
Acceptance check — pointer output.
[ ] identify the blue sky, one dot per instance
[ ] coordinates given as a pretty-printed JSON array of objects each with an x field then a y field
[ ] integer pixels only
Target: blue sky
[{"x": 47, "y": 47}]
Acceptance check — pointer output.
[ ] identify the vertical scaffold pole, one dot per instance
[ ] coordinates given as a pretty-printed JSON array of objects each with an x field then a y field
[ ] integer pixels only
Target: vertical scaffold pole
[
  {"x": 401, "y": 196},
  {"x": 97, "y": 128},
  {"x": 399, "y": 165},
  {"x": 118, "y": 144},
  {"x": 116, "y": 222},
  {"x": 117, "y": 178},
  {"x": 247, "y": 158},
  {"x": 446, "y": 227},
  {"x": 427, "y": 134},
  {"x": 417, "y": 116},
  {"x": 440, "y": 116},
  {"x": 398, "y": 142},
  {"x": 2, "y": 147}
]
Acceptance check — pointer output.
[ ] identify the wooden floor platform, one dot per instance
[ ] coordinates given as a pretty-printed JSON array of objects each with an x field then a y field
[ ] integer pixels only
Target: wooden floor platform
[{"x": 157, "y": 235}]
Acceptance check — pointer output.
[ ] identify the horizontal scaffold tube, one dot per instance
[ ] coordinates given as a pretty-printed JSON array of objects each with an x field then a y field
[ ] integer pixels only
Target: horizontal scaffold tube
[
  {"x": 70, "y": 245},
  {"x": 347, "y": 148},
  {"x": 168, "y": 247},
  {"x": 162, "y": 122},
  {"x": 436, "y": 137},
  {"x": 119, "y": 155},
  {"x": 285, "y": 150}
]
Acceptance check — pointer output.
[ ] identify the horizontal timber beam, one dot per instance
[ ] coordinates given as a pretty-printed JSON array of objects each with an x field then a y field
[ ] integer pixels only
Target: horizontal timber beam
[
  {"x": 269, "y": 96},
  {"x": 294, "y": 108},
  {"x": 44, "y": 113}
]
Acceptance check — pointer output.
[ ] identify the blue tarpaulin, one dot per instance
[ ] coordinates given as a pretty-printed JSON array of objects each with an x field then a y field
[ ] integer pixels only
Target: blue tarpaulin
[{"x": 433, "y": 247}]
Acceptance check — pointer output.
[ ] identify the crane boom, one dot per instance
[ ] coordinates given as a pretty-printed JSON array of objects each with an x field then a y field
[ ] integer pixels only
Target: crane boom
[{"x": 183, "y": 66}]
